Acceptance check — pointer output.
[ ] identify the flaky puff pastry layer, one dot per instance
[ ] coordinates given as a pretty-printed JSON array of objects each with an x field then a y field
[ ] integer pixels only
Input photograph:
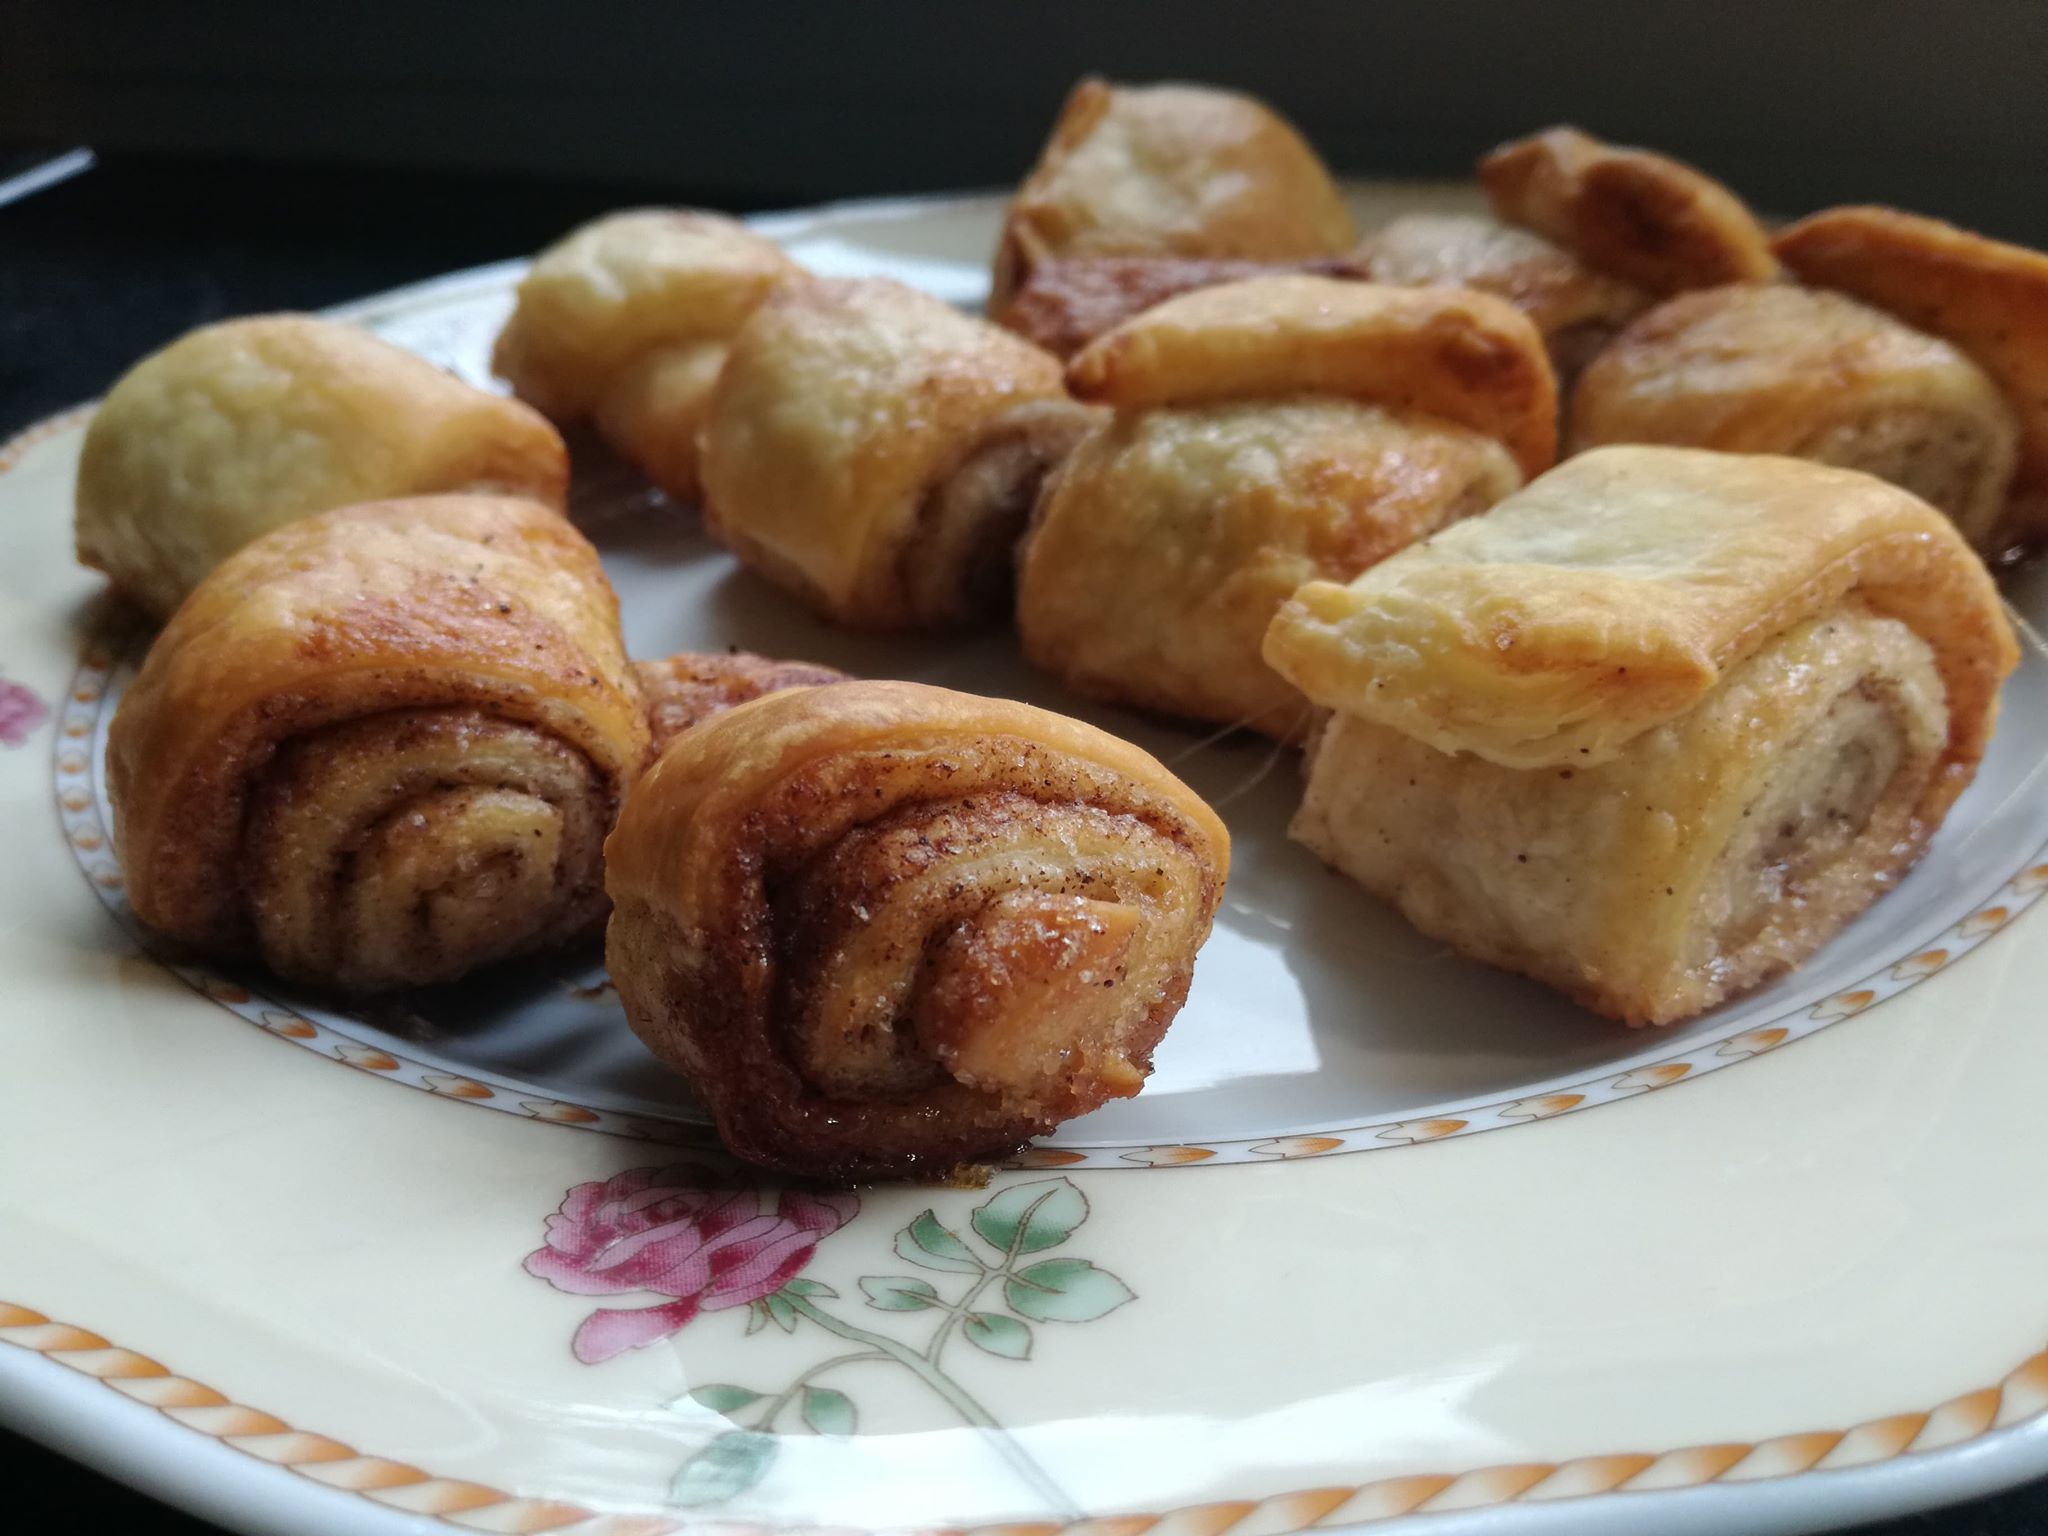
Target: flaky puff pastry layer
[
  {"x": 1987, "y": 297},
  {"x": 876, "y": 452},
  {"x": 1465, "y": 356},
  {"x": 625, "y": 322},
  {"x": 1771, "y": 368},
  {"x": 238, "y": 427},
  {"x": 1169, "y": 170},
  {"x": 1615, "y": 593},
  {"x": 1161, "y": 553},
  {"x": 888, "y": 929},
  {"x": 1575, "y": 307},
  {"x": 1711, "y": 853},
  {"x": 381, "y": 745},
  {"x": 1642, "y": 217}
]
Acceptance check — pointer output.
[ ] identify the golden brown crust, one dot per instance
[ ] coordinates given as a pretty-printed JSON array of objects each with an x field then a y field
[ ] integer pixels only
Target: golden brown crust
[
  {"x": 1713, "y": 852},
  {"x": 624, "y": 321},
  {"x": 888, "y": 929},
  {"x": 1772, "y": 368},
  {"x": 1467, "y": 357},
  {"x": 1171, "y": 538},
  {"x": 1645, "y": 218},
  {"x": 1064, "y": 305},
  {"x": 447, "y": 663},
  {"x": 1575, "y": 307},
  {"x": 691, "y": 686},
  {"x": 1615, "y": 593},
  {"x": 238, "y": 427},
  {"x": 1988, "y": 298},
  {"x": 1169, "y": 170},
  {"x": 874, "y": 451}
]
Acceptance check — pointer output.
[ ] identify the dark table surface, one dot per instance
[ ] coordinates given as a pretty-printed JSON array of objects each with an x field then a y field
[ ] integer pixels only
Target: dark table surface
[{"x": 100, "y": 269}]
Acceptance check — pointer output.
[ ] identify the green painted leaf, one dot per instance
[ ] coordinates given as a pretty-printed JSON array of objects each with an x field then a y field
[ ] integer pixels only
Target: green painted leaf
[
  {"x": 898, "y": 1293},
  {"x": 803, "y": 1287},
  {"x": 1027, "y": 1217},
  {"x": 781, "y": 1311},
  {"x": 1065, "y": 1291},
  {"x": 999, "y": 1335},
  {"x": 929, "y": 1243},
  {"x": 729, "y": 1465},
  {"x": 719, "y": 1397},
  {"x": 757, "y": 1316},
  {"x": 827, "y": 1411}
]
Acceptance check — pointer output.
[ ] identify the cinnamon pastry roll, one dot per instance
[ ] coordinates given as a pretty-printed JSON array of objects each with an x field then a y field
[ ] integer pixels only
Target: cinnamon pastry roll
[
  {"x": 1771, "y": 368},
  {"x": 626, "y": 322},
  {"x": 1641, "y": 217},
  {"x": 381, "y": 746},
  {"x": 1267, "y": 433},
  {"x": 1169, "y": 170},
  {"x": 876, "y": 452},
  {"x": 888, "y": 929},
  {"x": 1985, "y": 297},
  {"x": 238, "y": 427},
  {"x": 1657, "y": 726},
  {"x": 1577, "y": 308},
  {"x": 1063, "y": 305},
  {"x": 690, "y": 687}
]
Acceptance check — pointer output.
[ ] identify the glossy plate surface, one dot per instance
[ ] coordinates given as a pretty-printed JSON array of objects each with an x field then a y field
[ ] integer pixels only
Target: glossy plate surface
[{"x": 1793, "y": 1280}]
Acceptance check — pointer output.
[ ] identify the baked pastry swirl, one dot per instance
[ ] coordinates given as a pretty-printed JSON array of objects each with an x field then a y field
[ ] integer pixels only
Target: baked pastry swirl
[
  {"x": 237, "y": 427},
  {"x": 1654, "y": 728},
  {"x": 1985, "y": 297},
  {"x": 1774, "y": 368},
  {"x": 1267, "y": 432},
  {"x": 888, "y": 929},
  {"x": 625, "y": 323},
  {"x": 1169, "y": 170},
  {"x": 381, "y": 746},
  {"x": 690, "y": 687},
  {"x": 876, "y": 452}
]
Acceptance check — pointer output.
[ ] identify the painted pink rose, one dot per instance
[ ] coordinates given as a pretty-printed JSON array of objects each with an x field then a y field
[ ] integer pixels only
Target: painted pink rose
[
  {"x": 20, "y": 713},
  {"x": 704, "y": 1239}
]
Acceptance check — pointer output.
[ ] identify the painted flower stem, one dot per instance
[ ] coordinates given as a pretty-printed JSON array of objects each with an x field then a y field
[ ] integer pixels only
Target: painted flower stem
[
  {"x": 1057, "y": 1498},
  {"x": 767, "y": 1420}
]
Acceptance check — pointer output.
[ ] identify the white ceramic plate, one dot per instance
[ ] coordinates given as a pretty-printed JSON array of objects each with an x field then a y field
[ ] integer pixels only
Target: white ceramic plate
[{"x": 310, "y": 1272}]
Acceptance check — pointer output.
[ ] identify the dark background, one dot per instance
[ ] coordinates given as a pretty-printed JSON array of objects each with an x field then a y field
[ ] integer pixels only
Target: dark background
[{"x": 263, "y": 156}]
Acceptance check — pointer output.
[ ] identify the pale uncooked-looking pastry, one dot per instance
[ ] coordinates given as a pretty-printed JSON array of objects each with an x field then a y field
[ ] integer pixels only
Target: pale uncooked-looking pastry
[
  {"x": 1774, "y": 368},
  {"x": 625, "y": 322},
  {"x": 1169, "y": 170},
  {"x": 886, "y": 929},
  {"x": 1988, "y": 298},
  {"x": 1654, "y": 728},
  {"x": 237, "y": 427},
  {"x": 876, "y": 452},
  {"x": 1577, "y": 308},
  {"x": 1266, "y": 433},
  {"x": 1642, "y": 217}
]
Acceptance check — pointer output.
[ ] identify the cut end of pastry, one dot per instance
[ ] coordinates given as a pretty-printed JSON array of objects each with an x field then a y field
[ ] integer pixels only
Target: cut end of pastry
[
  {"x": 688, "y": 688},
  {"x": 1642, "y": 217}
]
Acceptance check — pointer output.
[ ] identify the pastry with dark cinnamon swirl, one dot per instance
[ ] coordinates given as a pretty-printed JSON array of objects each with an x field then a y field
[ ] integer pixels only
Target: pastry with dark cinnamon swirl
[
  {"x": 876, "y": 452},
  {"x": 690, "y": 687},
  {"x": 888, "y": 929},
  {"x": 381, "y": 746}
]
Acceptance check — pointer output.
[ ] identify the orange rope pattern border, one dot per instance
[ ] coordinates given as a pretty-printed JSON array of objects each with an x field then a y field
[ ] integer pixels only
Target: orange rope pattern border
[{"x": 2022, "y": 1395}]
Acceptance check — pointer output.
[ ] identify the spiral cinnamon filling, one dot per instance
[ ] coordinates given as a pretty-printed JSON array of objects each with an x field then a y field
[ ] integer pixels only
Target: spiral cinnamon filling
[
  {"x": 959, "y": 565},
  {"x": 407, "y": 848},
  {"x": 993, "y": 940},
  {"x": 1959, "y": 462}
]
